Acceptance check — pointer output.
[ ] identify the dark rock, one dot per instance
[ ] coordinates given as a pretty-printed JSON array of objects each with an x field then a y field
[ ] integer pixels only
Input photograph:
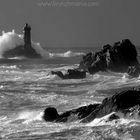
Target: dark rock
[
  {"x": 58, "y": 73},
  {"x": 119, "y": 102},
  {"x": 87, "y": 61},
  {"x": 50, "y": 114},
  {"x": 113, "y": 117},
  {"x": 98, "y": 65},
  {"x": 132, "y": 112},
  {"x": 77, "y": 114},
  {"x": 115, "y": 58},
  {"x": 71, "y": 74},
  {"x": 133, "y": 71},
  {"x": 19, "y": 51},
  {"x": 125, "y": 102}
]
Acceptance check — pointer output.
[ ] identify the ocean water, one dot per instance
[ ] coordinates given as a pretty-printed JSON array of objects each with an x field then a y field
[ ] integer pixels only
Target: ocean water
[{"x": 27, "y": 88}]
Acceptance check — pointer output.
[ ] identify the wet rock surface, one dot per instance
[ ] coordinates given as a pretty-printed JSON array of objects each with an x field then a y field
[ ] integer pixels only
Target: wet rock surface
[
  {"x": 117, "y": 57},
  {"x": 71, "y": 74},
  {"x": 120, "y": 102},
  {"x": 51, "y": 114},
  {"x": 133, "y": 71},
  {"x": 120, "y": 57}
]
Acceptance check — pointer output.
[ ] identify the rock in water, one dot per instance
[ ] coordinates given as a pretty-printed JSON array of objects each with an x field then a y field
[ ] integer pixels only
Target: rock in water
[
  {"x": 133, "y": 71},
  {"x": 123, "y": 102},
  {"x": 50, "y": 114},
  {"x": 113, "y": 117},
  {"x": 115, "y": 58},
  {"x": 23, "y": 50},
  {"x": 71, "y": 74},
  {"x": 20, "y": 51}
]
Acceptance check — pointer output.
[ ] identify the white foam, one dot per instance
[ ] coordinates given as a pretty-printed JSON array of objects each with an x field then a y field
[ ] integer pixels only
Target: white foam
[
  {"x": 123, "y": 119},
  {"x": 9, "y": 67},
  {"x": 11, "y": 40},
  {"x": 30, "y": 116},
  {"x": 101, "y": 121},
  {"x": 66, "y": 54}
]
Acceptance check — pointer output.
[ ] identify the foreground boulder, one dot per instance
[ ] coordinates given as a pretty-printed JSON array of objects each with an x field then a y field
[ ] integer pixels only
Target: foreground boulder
[
  {"x": 71, "y": 74},
  {"x": 115, "y": 58},
  {"x": 51, "y": 114},
  {"x": 119, "y": 102}
]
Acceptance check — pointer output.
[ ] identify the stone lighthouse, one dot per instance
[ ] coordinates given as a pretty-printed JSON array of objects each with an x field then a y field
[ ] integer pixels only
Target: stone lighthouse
[
  {"x": 27, "y": 37},
  {"x": 28, "y": 49}
]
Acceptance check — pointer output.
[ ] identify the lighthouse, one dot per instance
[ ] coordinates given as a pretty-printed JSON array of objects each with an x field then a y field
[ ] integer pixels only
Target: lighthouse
[
  {"x": 28, "y": 49},
  {"x": 27, "y": 37},
  {"x": 23, "y": 50}
]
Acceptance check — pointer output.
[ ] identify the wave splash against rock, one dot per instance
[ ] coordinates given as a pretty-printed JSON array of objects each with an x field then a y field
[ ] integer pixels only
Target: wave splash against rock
[{"x": 126, "y": 102}]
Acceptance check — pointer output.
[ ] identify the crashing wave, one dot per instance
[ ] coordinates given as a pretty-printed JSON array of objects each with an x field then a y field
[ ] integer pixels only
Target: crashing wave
[
  {"x": 126, "y": 102},
  {"x": 66, "y": 54},
  {"x": 10, "y": 40}
]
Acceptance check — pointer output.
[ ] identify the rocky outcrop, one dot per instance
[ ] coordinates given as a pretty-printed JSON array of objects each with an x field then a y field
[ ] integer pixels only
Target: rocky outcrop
[
  {"x": 121, "y": 57},
  {"x": 51, "y": 114},
  {"x": 133, "y": 71},
  {"x": 71, "y": 74},
  {"x": 120, "y": 102},
  {"x": 21, "y": 51},
  {"x": 115, "y": 58}
]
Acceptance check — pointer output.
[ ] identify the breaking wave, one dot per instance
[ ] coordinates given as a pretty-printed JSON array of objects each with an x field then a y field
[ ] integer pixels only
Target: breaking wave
[
  {"x": 26, "y": 92},
  {"x": 11, "y": 40},
  {"x": 66, "y": 54}
]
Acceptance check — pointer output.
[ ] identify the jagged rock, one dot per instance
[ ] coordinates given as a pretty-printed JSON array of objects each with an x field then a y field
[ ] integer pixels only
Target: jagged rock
[
  {"x": 50, "y": 114},
  {"x": 71, "y": 74},
  {"x": 119, "y": 102},
  {"x": 125, "y": 102},
  {"x": 113, "y": 116},
  {"x": 115, "y": 58},
  {"x": 133, "y": 71}
]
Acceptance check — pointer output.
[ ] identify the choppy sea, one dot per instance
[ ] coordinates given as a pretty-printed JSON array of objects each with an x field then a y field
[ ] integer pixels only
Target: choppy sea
[{"x": 27, "y": 88}]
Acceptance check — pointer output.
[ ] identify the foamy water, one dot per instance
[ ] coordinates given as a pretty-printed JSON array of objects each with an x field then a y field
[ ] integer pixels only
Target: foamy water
[
  {"x": 10, "y": 40},
  {"x": 27, "y": 87},
  {"x": 26, "y": 90}
]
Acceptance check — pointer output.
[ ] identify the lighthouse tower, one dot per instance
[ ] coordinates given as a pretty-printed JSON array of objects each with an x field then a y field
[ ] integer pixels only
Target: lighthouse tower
[
  {"x": 27, "y": 37},
  {"x": 28, "y": 50}
]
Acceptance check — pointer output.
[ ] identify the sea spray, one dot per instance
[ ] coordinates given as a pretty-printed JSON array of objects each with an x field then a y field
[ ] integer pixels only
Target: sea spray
[
  {"x": 23, "y": 101},
  {"x": 11, "y": 40},
  {"x": 29, "y": 116}
]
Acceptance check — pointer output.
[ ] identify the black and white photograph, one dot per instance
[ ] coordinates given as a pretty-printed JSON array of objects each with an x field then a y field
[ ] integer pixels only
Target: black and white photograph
[{"x": 69, "y": 69}]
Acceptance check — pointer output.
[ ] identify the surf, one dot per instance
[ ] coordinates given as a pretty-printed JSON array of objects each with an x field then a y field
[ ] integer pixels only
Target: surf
[{"x": 20, "y": 46}]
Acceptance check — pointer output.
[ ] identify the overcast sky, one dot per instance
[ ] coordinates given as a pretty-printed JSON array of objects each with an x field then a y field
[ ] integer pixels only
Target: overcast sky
[{"x": 105, "y": 22}]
